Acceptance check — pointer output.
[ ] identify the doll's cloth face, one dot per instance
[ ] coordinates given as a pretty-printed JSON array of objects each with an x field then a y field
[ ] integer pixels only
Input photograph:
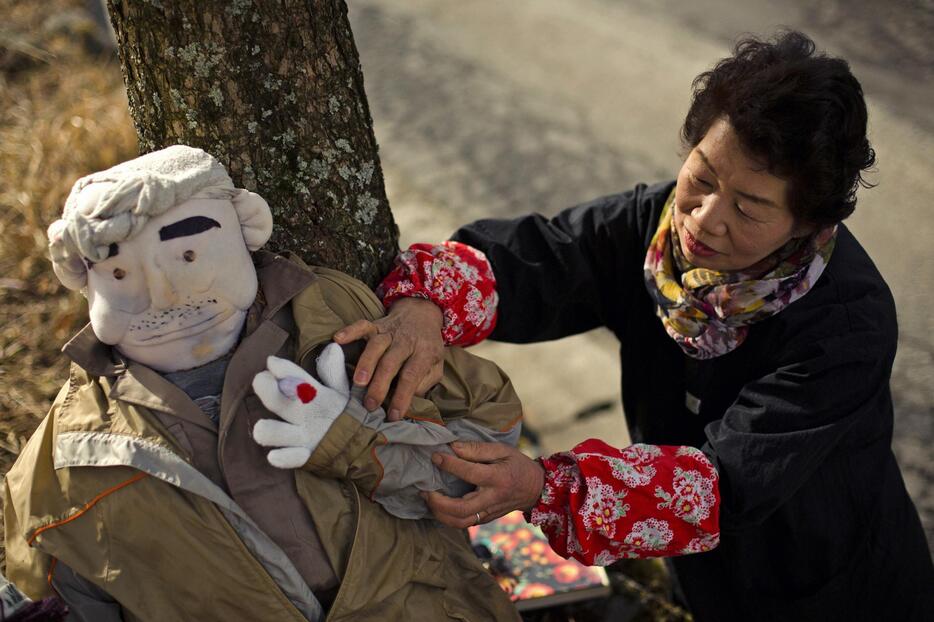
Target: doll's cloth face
[{"x": 175, "y": 296}]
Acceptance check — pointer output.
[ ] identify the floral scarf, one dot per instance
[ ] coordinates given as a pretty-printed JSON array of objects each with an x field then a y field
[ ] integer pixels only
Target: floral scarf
[{"x": 708, "y": 313}]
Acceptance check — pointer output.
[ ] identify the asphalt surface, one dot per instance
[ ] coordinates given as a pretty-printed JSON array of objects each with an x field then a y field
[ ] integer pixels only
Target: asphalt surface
[{"x": 488, "y": 108}]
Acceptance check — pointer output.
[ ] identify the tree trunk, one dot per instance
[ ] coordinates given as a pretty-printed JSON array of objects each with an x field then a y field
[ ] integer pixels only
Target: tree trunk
[{"x": 275, "y": 91}]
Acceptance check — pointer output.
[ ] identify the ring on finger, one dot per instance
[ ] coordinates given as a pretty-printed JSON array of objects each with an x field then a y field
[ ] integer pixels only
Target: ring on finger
[{"x": 478, "y": 519}]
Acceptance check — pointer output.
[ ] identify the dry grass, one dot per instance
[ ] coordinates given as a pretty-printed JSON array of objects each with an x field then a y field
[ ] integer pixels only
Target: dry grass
[{"x": 63, "y": 114}]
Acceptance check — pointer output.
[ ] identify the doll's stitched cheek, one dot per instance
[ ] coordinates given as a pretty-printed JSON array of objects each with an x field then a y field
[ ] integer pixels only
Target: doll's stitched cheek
[
  {"x": 189, "y": 264},
  {"x": 236, "y": 282}
]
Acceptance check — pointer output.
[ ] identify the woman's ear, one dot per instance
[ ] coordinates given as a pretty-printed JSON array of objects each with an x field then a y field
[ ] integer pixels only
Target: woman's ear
[{"x": 255, "y": 218}]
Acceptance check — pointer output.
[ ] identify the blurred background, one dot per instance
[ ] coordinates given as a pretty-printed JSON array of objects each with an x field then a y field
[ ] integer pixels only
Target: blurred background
[{"x": 487, "y": 108}]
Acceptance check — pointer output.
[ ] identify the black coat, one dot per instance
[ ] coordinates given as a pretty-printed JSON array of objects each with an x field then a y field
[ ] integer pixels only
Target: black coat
[{"x": 815, "y": 520}]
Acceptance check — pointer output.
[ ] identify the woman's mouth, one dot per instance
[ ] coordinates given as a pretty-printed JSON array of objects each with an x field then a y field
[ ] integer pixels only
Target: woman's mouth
[{"x": 696, "y": 247}]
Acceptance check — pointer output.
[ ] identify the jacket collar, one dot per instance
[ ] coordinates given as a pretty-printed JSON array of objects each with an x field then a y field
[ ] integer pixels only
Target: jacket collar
[
  {"x": 281, "y": 278},
  {"x": 93, "y": 356}
]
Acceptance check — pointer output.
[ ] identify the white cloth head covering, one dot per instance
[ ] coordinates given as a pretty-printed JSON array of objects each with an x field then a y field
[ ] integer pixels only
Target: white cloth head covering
[{"x": 135, "y": 191}]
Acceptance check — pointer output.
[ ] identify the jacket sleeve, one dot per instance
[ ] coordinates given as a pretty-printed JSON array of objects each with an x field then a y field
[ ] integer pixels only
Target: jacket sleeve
[
  {"x": 600, "y": 504},
  {"x": 454, "y": 276},
  {"x": 827, "y": 393},
  {"x": 391, "y": 461},
  {"x": 550, "y": 278},
  {"x": 26, "y": 566},
  {"x": 567, "y": 274}
]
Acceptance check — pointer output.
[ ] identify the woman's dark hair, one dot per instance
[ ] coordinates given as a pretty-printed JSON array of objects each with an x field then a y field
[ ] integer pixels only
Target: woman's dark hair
[{"x": 802, "y": 113}]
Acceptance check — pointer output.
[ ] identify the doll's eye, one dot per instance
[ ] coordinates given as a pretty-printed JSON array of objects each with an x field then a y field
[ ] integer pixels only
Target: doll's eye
[
  {"x": 119, "y": 273},
  {"x": 189, "y": 256}
]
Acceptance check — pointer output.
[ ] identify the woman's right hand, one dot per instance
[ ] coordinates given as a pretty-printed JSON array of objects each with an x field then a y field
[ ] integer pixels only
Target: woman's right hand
[
  {"x": 505, "y": 480},
  {"x": 406, "y": 343}
]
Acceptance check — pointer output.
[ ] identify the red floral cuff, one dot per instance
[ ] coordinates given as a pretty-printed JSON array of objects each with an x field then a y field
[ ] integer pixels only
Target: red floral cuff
[
  {"x": 600, "y": 504},
  {"x": 456, "y": 277}
]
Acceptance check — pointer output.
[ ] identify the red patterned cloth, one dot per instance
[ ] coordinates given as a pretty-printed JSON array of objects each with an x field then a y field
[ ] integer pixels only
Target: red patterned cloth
[
  {"x": 601, "y": 504},
  {"x": 454, "y": 276}
]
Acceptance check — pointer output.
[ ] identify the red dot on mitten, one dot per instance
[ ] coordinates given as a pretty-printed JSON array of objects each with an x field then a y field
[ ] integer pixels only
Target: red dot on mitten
[{"x": 305, "y": 392}]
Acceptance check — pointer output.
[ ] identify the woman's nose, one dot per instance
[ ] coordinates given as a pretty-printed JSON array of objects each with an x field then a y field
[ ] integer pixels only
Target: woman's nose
[{"x": 711, "y": 214}]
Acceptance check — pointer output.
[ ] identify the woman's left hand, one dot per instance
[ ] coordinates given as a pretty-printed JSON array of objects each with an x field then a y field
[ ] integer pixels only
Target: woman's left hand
[
  {"x": 506, "y": 480},
  {"x": 407, "y": 339}
]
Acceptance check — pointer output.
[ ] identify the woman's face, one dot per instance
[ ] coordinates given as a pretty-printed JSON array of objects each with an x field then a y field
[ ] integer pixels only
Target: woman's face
[{"x": 730, "y": 212}]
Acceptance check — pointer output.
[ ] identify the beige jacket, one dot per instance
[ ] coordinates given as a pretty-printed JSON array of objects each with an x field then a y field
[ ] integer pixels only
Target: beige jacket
[{"x": 174, "y": 532}]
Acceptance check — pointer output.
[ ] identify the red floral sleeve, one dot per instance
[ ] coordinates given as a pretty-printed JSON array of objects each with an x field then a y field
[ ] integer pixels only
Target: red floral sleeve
[
  {"x": 601, "y": 504},
  {"x": 456, "y": 277}
]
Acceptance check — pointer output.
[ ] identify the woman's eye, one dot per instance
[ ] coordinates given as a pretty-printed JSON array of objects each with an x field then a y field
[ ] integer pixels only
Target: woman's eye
[
  {"x": 700, "y": 182},
  {"x": 744, "y": 213},
  {"x": 119, "y": 273},
  {"x": 189, "y": 256}
]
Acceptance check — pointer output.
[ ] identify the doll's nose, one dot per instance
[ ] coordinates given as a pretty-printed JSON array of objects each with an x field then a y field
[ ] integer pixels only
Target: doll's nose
[{"x": 161, "y": 293}]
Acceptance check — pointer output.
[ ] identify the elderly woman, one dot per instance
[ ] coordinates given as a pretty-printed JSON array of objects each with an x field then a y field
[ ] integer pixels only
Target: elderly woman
[{"x": 757, "y": 340}]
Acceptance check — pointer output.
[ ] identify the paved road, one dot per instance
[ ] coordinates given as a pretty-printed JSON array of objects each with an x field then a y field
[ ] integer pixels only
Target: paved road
[{"x": 498, "y": 108}]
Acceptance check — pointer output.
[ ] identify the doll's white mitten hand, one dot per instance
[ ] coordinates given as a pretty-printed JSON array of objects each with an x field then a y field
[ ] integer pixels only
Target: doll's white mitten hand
[{"x": 307, "y": 407}]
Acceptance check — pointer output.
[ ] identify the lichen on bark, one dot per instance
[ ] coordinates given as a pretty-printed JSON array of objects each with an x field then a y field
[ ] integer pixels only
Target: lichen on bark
[{"x": 275, "y": 91}]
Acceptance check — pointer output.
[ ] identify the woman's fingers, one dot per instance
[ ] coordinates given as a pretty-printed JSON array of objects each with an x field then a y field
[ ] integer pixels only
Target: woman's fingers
[
  {"x": 449, "y": 511},
  {"x": 418, "y": 375},
  {"x": 376, "y": 346},
  {"x": 352, "y": 332},
  {"x": 392, "y": 360},
  {"x": 459, "y": 513},
  {"x": 407, "y": 340},
  {"x": 466, "y": 506},
  {"x": 470, "y": 472},
  {"x": 476, "y": 451},
  {"x": 463, "y": 512},
  {"x": 429, "y": 381},
  {"x": 384, "y": 355},
  {"x": 505, "y": 478}
]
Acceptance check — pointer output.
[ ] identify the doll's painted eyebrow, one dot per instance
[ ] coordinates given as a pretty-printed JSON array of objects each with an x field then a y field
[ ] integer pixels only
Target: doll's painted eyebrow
[{"x": 188, "y": 226}]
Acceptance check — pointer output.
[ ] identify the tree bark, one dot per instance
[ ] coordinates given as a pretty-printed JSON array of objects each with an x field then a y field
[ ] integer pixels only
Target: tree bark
[{"x": 275, "y": 91}]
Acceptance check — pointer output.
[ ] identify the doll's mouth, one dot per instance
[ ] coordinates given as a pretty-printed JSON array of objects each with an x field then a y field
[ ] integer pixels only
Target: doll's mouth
[{"x": 186, "y": 331}]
